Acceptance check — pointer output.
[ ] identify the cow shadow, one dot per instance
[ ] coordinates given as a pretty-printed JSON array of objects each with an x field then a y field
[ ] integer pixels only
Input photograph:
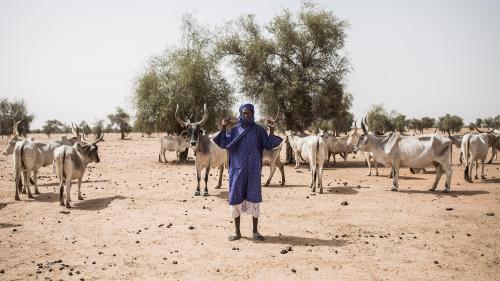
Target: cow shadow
[
  {"x": 440, "y": 193},
  {"x": 47, "y": 197},
  {"x": 96, "y": 204},
  {"x": 3, "y": 205},
  {"x": 491, "y": 181},
  {"x": 346, "y": 190},
  {"x": 302, "y": 241},
  {"x": 224, "y": 194},
  {"x": 8, "y": 225},
  {"x": 73, "y": 182}
]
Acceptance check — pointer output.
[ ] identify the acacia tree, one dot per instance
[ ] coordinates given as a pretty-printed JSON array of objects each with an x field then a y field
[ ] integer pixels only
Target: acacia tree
[
  {"x": 121, "y": 120},
  {"x": 294, "y": 62},
  {"x": 52, "y": 126},
  {"x": 12, "y": 111},
  {"x": 188, "y": 75},
  {"x": 450, "y": 123}
]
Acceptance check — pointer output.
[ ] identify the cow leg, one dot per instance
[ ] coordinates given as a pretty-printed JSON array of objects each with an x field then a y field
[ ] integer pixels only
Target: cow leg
[
  {"x": 313, "y": 177},
  {"x": 297, "y": 160},
  {"x": 395, "y": 172},
  {"x": 198, "y": 178},
  {"x": 439, "y": 173},
  {"x": 80, "y": 197},
  {"x": 272, "y": 169},
  {"x": 448, "y": 169},
  {"x": 27, "y": 175},
  {"x": 334, "y": 160},
  {"x": 320, "y": 178},
  {"x": 159, "y": 157},
  {"x": 24, "y": 181},
  {"x": 18, "y": 184},
  {"x": 376, "y": 166},
  {"x": 483, "y": 177},
  {"x": 368, "y": 162},
  {"x": 345, "y": 158},
  {"x": 35, "y": 176},
  {"x": 477, "y": 166},
  {"x": 221, "y": 172},
  {"x": 207, "y": 172},
  {"x": 68, "y": 191},
  {"x": 164, "y": 157},
  {"x": 282, "y": 171}
]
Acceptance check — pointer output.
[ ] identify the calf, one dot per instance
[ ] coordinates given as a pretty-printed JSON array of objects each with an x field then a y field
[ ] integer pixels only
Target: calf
[
  {"x": 70, "y": 162},
  {"x": 178, "y": 144}
]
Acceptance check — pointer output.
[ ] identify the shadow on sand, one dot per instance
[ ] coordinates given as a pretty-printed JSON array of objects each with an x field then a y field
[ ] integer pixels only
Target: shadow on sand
[
  {"x": 3, "y": 205},
  {"x": 302, "y": 241},
  {"x": 439, "y": 192},
  {"x": 73, "y": 183},
  {"x": 347, "y": 190},
  {"x": 96, "y": 204},
  {"x": 7, "y": 225},
  {"x": 491, "y": 181}
]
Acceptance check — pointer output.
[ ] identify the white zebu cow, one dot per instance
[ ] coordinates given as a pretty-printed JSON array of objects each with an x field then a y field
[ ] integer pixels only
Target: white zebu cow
[
  {"x": 474, "y": 148},
  {"x": 208, "y": 153},
  {"x": 493, "y": 142},
  {"x": 173, "y": 143},
  {"x": 396, "y": 150},
  {"x": 29, "y": 156},
  {"x": 70, "y": 163},
  {"x": 272, "y": 158},
  {"x": 312, "y": 150}
]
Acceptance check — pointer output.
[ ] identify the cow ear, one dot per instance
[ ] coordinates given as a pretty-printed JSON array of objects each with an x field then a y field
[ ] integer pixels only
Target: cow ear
[{"x": 392, "y": 143}]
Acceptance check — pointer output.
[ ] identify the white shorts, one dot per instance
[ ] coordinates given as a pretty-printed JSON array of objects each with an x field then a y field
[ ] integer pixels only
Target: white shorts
[{"x": 245, "y": 207}]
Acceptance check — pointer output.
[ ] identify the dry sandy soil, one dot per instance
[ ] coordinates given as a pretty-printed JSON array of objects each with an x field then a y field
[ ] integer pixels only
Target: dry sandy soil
[{"x": 140, "y": 220}]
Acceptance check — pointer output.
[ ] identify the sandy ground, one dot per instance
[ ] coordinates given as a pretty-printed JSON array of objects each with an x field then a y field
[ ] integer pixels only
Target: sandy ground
[{"x": 140, "y": 220}]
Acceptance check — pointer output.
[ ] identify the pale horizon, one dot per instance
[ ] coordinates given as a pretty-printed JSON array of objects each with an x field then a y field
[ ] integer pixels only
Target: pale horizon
[{"x": 78, "y": 60}]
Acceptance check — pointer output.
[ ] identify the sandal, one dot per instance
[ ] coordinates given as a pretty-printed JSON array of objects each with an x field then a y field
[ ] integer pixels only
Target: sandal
[
  {"x": 258, "y": 237},
  {"x": 234, "y": 237}
]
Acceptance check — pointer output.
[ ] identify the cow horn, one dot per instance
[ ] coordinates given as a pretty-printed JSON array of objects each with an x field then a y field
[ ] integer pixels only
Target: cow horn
[
  {"x": 483, "y": 132},
  {"x": 415, "y": 130},
  {"x": 277, "y": 114},
  {"x": 179, "y": 120},
  {"x": 205, "y": 116},
  {"x": 363, "y": 125},
  {"x": 84, "y": 137},
  {"x": 75, "y": 131},
  {"x": 99, "y": 139},
  {"x": 435, "y": 130},
  {"x": 15, "y": 129}
]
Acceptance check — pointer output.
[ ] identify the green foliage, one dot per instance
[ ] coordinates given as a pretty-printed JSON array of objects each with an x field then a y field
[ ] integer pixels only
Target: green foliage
[
  {"x": 98, "y": 128},
  {"x": 12, "y": 111},
  {"x": 450, "y": 123},
  {"x": 52, "y": 126},
  {"x": 294, "y": 62},
  {"x": 84, "y": 128},
  {"x": 189, "y": 76},
  {"x": 120, "y": 119}
]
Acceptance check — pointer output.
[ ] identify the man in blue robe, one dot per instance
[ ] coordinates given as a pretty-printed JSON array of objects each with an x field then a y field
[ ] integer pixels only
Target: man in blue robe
[{"x": 245, "y": 143}]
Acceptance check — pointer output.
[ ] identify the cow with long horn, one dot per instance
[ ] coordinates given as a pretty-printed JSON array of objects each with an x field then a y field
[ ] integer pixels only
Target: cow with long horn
[
  {"x": 29, "y": 156},
  {"x": 70, "y": 163},
  {"x": 208, "y": 154}
]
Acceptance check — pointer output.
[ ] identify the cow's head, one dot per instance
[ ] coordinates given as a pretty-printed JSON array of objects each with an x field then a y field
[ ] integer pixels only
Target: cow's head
[
  {"x": 90, "y": 150},
  {"x": 363, "y": 139},
  {"x": 193, "y": 130},
  {"x": 9, "y": 149},
  {"x": 353, "y": 136}
]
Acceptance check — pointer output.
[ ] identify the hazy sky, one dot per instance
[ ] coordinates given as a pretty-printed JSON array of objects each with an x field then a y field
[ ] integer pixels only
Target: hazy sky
[{"x": 77, "y": 60}]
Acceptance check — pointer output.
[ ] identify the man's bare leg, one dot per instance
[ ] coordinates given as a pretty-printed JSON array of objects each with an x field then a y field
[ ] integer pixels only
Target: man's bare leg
[
  {"x": 237, "y": 233},
  {"x": 256, "y": 234}
]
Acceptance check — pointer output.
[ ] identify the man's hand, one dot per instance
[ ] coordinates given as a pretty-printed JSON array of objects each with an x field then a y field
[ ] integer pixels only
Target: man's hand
[
  {"x": 271, "y": 125},
  {"x": 225, "y": 122}
]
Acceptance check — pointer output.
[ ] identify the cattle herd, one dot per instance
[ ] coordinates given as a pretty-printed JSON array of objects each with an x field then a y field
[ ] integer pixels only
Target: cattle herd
[{"x": 70, "y": 156}]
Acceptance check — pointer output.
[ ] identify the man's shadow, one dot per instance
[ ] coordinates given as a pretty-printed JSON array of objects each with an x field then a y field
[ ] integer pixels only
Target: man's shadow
[{"x": 302, "y": 241}]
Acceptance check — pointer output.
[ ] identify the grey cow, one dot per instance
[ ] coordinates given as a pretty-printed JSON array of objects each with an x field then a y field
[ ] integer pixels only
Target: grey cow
[{"x": 70, "y": 163}]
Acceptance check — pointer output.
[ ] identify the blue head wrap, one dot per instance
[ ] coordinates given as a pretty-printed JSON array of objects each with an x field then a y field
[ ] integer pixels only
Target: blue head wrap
[{"x": 245, "y": 122}]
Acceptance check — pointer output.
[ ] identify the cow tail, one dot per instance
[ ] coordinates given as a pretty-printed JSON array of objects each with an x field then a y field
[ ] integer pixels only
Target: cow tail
[
  {"x": 466, "y": 156},
  {"x": 63, "y": 158},
  {"x": 314, "y": 156},
  {"x": 22, "y": 152}
]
